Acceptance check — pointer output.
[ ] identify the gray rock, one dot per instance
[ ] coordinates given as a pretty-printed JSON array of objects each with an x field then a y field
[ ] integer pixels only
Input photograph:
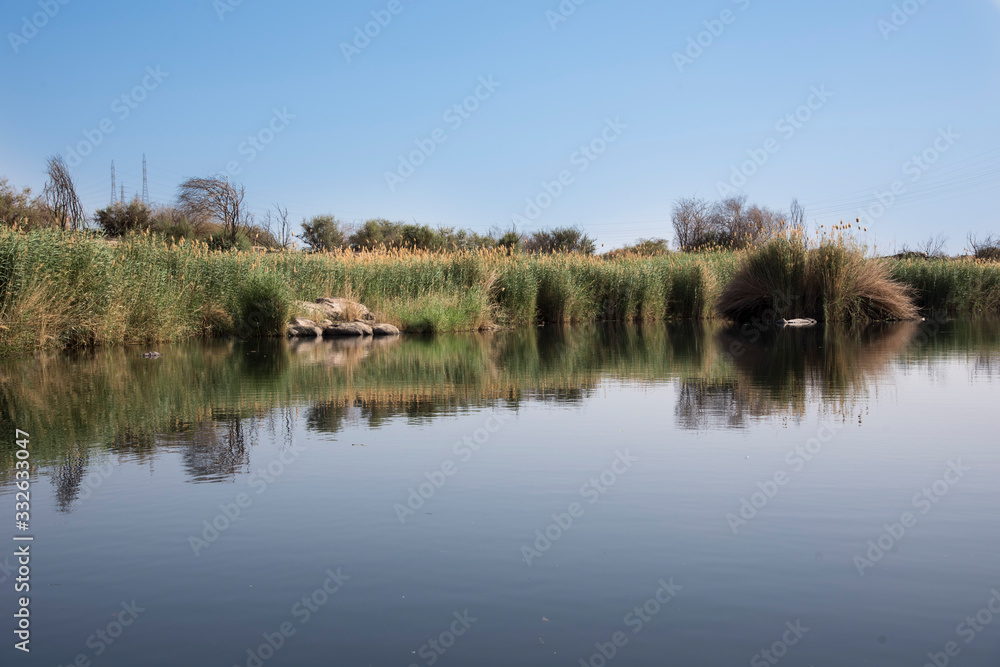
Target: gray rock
[
  {"x": 347, "y": 329},
  {"x": 303, "y": 328},
  {"x": 384, "y": 330},
  {"x": 344, "y": 310},
  {"x": 152, "y": 355}
]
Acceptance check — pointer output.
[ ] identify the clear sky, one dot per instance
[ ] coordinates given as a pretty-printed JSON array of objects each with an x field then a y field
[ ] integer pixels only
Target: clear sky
[{"x": 333, "y": 112}]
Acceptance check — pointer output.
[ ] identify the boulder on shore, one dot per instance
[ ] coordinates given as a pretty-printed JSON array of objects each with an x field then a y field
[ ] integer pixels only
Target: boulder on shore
[
  {"x": 347, "y": 329},
  {"x": 303, "y": 328},
  {"x": 344, "y": 310},
  {"x": 384, "y": 330}
]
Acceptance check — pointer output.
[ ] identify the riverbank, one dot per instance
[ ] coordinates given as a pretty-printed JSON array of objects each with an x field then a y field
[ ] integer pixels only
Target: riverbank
[{"x": 62, "y": 290}]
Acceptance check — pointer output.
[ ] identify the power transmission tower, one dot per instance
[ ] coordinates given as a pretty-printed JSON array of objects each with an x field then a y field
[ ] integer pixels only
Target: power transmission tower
[
  {"x": 122, "y": 200},
  {"x": 112, "y": 182},
  {"x": 145, "y": 186}
]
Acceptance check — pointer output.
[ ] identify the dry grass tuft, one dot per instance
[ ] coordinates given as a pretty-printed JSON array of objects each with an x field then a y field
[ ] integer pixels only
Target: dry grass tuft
[{"x": 833, "y": 281}]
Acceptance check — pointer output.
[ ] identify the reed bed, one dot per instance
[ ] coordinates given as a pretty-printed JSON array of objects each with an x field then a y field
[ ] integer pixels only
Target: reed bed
[{"x": 60, "y": 290}]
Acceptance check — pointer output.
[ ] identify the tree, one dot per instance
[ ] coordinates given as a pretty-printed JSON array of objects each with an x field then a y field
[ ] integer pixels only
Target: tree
[
  {"x": 60, "y": 195},
  {"x": 120, "y": 219},
  {"x": 563, "y": 239},
  {"x": 692, "y": 221},
  {"x": 797, "y": 214},
  {"x": 323, "y": 233},
  {"x": 278, "y": 226},
  {"x": 216, "y": 199}
]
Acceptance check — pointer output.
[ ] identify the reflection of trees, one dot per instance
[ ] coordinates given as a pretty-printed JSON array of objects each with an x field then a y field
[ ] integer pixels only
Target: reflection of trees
[
  {"x": 717, "y": 404},
  {"x": 67, "y": 477},
  {"x": 207, "y": 401},
  {"x": 218, "y": 451}
]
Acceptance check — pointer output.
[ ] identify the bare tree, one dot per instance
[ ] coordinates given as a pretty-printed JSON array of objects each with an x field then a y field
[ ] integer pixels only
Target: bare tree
[
  {"x": 60, "y": 195},
  {"x": 797, "y": 214},
  {"x": 278, "y": 226},
  {"x": 216, "y": 198},
  {"x": 692, "y": 222}
]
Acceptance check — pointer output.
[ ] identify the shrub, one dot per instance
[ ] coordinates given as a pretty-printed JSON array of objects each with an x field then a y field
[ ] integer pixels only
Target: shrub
[
  {"x": 120, "y": 219},
  {"x": 730, "y": 223},
  {"x": 262, "y": 305},
  {"x": 563, "y": 239},
  {"x": 323, "y": 233},
  {"x": 833, "y": 282},
  {"x": 19, "y": 208},
  {"x": 642, "y": 248},
  {"x": 987, "y": 249},
  {"x": 222, "y": 242}
]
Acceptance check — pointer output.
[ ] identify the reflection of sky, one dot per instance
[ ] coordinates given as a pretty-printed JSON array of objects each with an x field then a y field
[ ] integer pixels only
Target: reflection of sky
[{"x": 335, "y": 505}]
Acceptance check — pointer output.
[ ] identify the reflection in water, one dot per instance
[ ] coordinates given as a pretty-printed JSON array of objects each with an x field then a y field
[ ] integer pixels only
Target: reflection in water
[
  {"x": 781, "y": 372},
  {"x": 66, "y": 478},
  {"x": 212, "y": 399}
]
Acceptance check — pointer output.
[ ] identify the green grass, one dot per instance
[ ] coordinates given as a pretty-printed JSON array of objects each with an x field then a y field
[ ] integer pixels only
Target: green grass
[{"x": 62, "y": 290}]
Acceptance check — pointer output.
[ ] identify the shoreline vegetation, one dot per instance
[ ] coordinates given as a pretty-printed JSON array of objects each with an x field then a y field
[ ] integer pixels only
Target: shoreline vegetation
[{"x": 143, "y": 275}]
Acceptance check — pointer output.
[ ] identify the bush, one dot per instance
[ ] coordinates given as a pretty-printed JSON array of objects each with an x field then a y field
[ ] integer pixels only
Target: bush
[
  {"x": 19, "y": 208},
  {"x": 728, "y": 224},
  {"x": 987, "y": 249},
  {"x": 262, "y": 306},
  {"x": 832, "y": 282},
  {"x": 221, "y": 242},
  {"x": 323, "y": 233},
  {"x": 642, "y": 248},
  {"x": 564, "y": 239},
  {"x": 120, "y": 219}
]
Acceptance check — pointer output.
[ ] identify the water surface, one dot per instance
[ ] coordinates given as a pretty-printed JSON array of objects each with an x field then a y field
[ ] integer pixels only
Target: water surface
[{"x": 658, "y": 494}]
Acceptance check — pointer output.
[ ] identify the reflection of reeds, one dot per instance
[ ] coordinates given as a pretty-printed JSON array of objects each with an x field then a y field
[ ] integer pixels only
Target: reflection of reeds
[
  {"x": 200, "y": 393},
  {"x": 783, "y": 371}
]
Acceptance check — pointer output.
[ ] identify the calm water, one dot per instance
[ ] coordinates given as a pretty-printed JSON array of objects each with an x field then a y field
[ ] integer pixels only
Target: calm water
[{"x": 630, "y": 496}]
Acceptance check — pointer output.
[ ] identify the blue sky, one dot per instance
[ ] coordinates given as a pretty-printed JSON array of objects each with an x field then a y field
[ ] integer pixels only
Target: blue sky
[{"x": 587, "y": 111}]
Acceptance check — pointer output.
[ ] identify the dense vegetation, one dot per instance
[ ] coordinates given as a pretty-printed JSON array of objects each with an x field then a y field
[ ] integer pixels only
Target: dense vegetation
[{"x": 207, "y": 267}]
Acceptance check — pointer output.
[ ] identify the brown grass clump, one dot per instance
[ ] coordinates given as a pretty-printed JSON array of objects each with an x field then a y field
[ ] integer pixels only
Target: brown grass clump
[{"x": 834, "y": 281}]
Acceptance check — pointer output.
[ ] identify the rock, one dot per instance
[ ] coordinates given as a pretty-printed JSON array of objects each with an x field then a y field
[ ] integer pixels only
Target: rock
[
  {"x": 344, "y": 310},
  {"x": 152, "y": 355},
  {"x": 303, "y": 328},
  {"x": 384, "y": 330},
  {"x": 347, "y": 329},
  {"x": 800, "y": 323}
]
